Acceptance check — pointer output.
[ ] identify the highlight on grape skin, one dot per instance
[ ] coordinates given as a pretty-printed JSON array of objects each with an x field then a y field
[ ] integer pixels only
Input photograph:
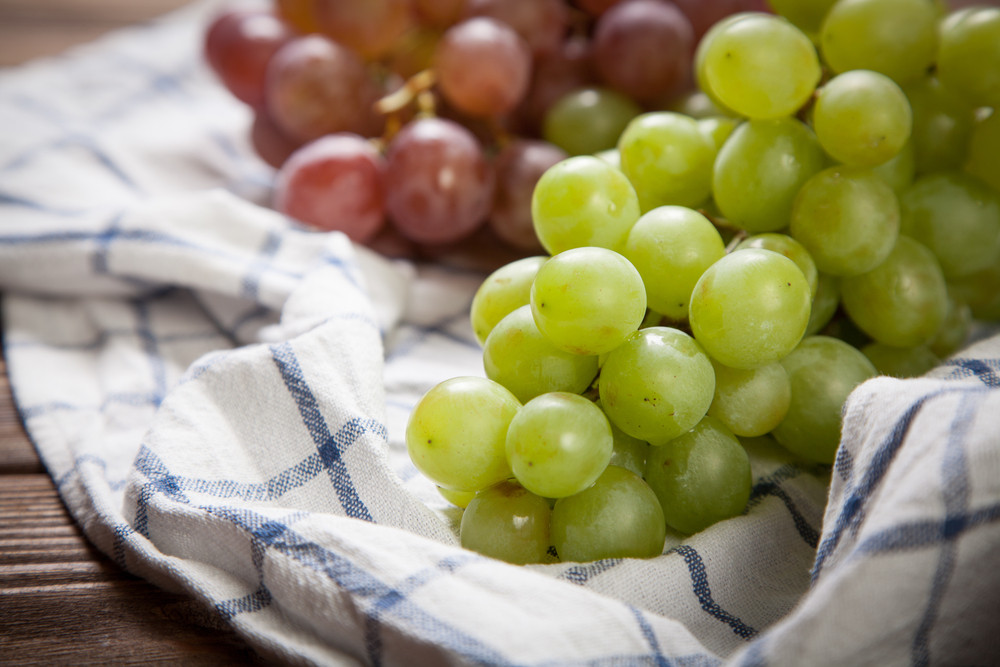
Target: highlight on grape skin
[{"x": 699, "y": 226}]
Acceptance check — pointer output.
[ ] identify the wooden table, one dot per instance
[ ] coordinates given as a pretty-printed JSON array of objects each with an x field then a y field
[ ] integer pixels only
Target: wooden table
[{"x": 61, "y": 601}]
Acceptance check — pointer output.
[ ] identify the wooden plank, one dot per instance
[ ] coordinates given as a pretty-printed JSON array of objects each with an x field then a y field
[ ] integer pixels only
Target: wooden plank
[
  {"x": 63, "y": 602},
  {"x": 17, "y": 454}
]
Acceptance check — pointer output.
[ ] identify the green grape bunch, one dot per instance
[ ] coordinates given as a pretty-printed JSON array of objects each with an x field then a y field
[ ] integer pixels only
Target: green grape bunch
[{"x": 822, "y": 208}]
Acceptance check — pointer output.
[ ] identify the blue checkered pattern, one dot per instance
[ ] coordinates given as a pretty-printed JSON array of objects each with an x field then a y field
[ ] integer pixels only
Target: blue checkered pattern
[{"x": 221, "y": 395}]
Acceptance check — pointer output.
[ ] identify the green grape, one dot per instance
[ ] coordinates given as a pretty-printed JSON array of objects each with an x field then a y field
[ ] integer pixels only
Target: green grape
[
  {"x": 760, "y": 169},
  {"x": 750, "y": 308},
  {"x": 862, "y": 118},
  {"x": 558, "y": 444},
  {"x": 657, "y": 384},
  {"x": 900, "y": 362},
  {"x": 790, "y": 248},
  {"x": 984, "y": 146},
  {"x": 717, "y": 129},
  {"x": 611, "y": 156},
  {"x": 457, "y": 498},
  {"x": 503, "y": 291},
  {"x": 618, "y": 517},
  {"x": 667, "y": 159},
  {"x": 587, "y": 300},
  {"x": 847, "y": 218},
  {"x": 822, "y": 371},
  {"x": 519, "y": 357},
  {"x": 942, "y": 126},
  {"x": 588, "y": 120},
  {"x": 807, "y": 15},
  {"x": 968, "y": 61},
  {"x": 902, "y": 301},
  {"x": 456, "y": 434},
  {"x": 507, "y": 522},
  {"x": 899, "y": 170},
  {"x": 955, "y": 330},
  {"x": 583, "y": 201},
  {"x": 750, "y": 402},
  {"x": 671, "y": 246},
  {"x": 897, "y": 38},
  {"x": 628, "y": 452},
  {"x": 700, "y": 53},
  {"x": 696, "y": 104},
  {"x": 701, "y": 477},
  {"x": 824, "y": 304},
  {"x": 760, "y": 65},
  {"x": 957, "y": 217},
  {"x": 981, "y": 291}
]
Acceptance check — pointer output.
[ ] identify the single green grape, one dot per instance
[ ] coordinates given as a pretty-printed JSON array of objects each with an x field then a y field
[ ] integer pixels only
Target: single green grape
[
  {"x": 955, "y": 330},
  {"x": 457, "y": 498},
  {"x": 519, "y": 357},
  {"x": 558, "y": 444},
  {"x": 587, "y": 300},
  {"x": 790, "y": 248},
  {"x": 583, "y": 201},
  {"x": 862, "y": 118},
  {"x": 671, "y": 246},
  {"x": 750, "y": 402},
  {"x": 980, "y": 291},
  {"x": 618, "y": 517},
  {"x": 507, "y": 522},
  {"x": 701, "y": 477},
  {"x": 984, "y": 146},
  {"x": 824, "y": 304},
  {"x": 717, "y": 129},
  {"x": 897, "y": 38},
  {"x": 968, "y": 61},
  {"x": 822, "y": 371},
  {"x": 588, "y": 120},
  {"x": 750, "y": 308},
  {"x": 657, "y": 384},
  {"x": 807, "y": 15},
  {"x": 902, "y": 301},
  {"x": 503, "y": 291},
  {"x": 899, "y": 170},
  {"x": 629, "y": 453},
  {"x": 900, "y": 362},
  {"x": 760, "y": 169},
  {"x": 942, "y": 126},
  {"x": 760, "y": 66},
  {"x": 456, "y": 433},
  {"x": 667, "y": 159},
  {"x": 847, "y": 218},
  {"x": 957, "y": 217}
]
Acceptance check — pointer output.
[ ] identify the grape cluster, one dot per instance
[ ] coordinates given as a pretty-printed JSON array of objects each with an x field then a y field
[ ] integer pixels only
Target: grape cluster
[
  {"x": 420, "y": 126},
  {"x": 825, "y": 207}
]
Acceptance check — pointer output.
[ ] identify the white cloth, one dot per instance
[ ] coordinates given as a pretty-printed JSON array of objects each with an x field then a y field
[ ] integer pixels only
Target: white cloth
[{"x": 220, "y": 397}]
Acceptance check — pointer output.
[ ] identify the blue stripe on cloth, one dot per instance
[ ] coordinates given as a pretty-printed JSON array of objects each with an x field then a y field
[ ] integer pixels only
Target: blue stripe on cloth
[
  {"x": 770, "y": 486},
  {"x": 134, "y": 399},
  {"x": 955, "y": 488},
  {"x": 330, "y": 447},
  {"x": 984, "y": 370},
  {"x": 250, "y": 286},
  {"x": 650, "y": 637},
  {"x": 699, "y": 579},
  {"x": 852, "y": 511},
  {"x": 581, "y": 574},
  {"x": 248, "y": 604}
]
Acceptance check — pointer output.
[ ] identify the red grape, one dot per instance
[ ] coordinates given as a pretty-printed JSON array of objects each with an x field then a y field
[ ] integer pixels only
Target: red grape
[
  {"x": 438, "y": 183},
  {"x": 271, "y": 144},
  {"x": 643, "y": 48},
  {"x": 703, "y": 15},
  {"x": 334, "y": 183},
  {"x": 370, "y": 27},
  {"x": 438, "y": 13},
  {"x": 541, "y": 23},
  {"x": 483, "y": 67},
  {"x": 518, "y": 167},
  {"x": 316, "y": 86},
  {"x": 239, "y": 45}
]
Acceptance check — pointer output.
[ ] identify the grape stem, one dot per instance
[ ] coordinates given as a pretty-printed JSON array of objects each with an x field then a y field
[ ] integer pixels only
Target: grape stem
[{"x": 415, "y": 91}]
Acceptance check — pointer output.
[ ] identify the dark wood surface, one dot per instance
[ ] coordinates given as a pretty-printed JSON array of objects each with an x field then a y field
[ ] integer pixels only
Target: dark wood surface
[{"x": 61, "y": 601}]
